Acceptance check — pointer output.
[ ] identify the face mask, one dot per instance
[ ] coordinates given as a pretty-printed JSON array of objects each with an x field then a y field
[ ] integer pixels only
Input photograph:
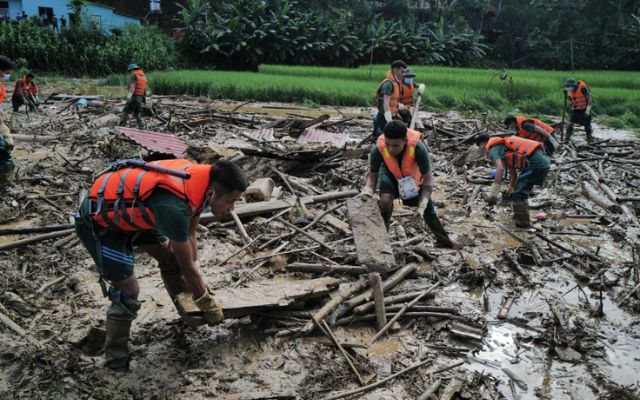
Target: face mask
[
  {"x": 408, "y": 81},
  {"x": 5, "y": 77}
]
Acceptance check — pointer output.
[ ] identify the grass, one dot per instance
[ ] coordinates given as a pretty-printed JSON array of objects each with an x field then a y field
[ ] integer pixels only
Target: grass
[{"x": 534, "y": 92}]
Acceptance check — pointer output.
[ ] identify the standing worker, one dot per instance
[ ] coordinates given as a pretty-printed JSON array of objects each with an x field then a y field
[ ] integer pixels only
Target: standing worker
[
  {"x": 405, "y": 102},
  {"x": 6, "y": 141},
  {"x": 25, "y": 92},
  {"x": 580, "y": 96},
  {"x": 515, "y": 153},
  {"x": 533, "y": 129},
  {"x": 136, "y": 96},
  {"x": 155, "y": 206},
  {"x": 388, "y": 97},
  {"x": 399, "y": 164}
]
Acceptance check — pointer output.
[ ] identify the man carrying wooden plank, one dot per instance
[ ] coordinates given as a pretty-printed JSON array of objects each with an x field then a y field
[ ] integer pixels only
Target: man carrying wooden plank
[
  {"x": 155, "y": 206},
  {"x": 399, "y": 164}
]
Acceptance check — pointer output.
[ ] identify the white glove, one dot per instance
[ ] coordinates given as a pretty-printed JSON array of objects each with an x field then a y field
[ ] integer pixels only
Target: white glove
[
  {"x": 493, "y": 195},
  {"x": 421, "y": 89},
  {"x": 588, "y": 111},
  {"x": 401, "y": 106},
  {"x": 388, "y": 117},
  {"x": 129, "y": 95},
  {"x": 367, "y": 191},
  {"x": 422, "y": 207}
]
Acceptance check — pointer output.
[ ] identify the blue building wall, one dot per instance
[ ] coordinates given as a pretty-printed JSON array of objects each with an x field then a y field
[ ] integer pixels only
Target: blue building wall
[{"x": 106, "y": 15}]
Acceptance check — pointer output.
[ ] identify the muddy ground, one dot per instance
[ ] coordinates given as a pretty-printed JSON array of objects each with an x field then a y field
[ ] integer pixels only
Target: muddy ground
[{"x": 572, "y": 332}]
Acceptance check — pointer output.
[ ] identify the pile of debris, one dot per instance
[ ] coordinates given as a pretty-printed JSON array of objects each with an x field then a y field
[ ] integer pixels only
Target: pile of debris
[{"x": 333, "y": 304}]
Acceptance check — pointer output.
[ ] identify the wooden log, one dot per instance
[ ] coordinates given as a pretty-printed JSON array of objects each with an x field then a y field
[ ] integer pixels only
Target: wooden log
[
  {"x": 35, "y": 229},
  {"x": 624, "y": 199},
  {"x": 8, "y": 322},
  {"x": 412, "y": 314},
  {"x": 347, "y": 306},
  {"x": 35, "y": 239},
  {"x": 243, "y": 232},
  {"x": 334, "y": 302},
  {"x": 399, "y": 298},
  {"x": 259, "y": 190},
  {"x": 49, "y": 284},
  {"x": 370, "y": 235},
  {"x": 378, "y": 299},
  {"x": 391, "y": 377},
  {"x": 324, "y": 269},
  {"x": 456, "y": 384},
  {"x": 507, "y": 302},
  {"x": 266, "y": 207},
  {"x": 327, "y": 331},
  {"x": 431, "y": 391},
  {"x": 594, "y": 195},
  {"x": 300, "y": 231}
]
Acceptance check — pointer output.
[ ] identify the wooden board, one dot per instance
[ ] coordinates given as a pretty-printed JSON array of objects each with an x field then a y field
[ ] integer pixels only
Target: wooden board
[
  {"x": 271, "y": 294},
  {"x": 370, "y": 235}
]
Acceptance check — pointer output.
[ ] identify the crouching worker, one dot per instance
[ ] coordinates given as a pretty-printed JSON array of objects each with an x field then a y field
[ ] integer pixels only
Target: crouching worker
[
  {"x": 156, "y": 207},
  {"x": 399, "y": 163},
  {"x": 517, "y": 154}
]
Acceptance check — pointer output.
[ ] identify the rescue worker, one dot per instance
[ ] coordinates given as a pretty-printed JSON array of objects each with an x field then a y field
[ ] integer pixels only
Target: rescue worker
[
  {"x": 580, "y": 96},
  {"x": 388, "y": 97},
  {"x": 533, "y": 129},
  {"x": 399, "y": 164},
  {"x": 25, "y": 92},
  {"x": 405, "y": 102},
  {"x": 6, "y": 140},
  {"x": 152, "y": 206},
  {"x": 516, "y": 154},
  {"x": 136, "y": 96}
]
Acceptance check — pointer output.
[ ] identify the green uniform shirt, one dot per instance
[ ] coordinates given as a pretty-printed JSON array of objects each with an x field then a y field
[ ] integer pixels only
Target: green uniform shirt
[
  {"x": 171, "y": 214},
  {"x": 387, "y": 88},
  {"x": 529, "y": 127},
  {"x": 536, "y": 160},
  {"x": 422, "y": 158}
]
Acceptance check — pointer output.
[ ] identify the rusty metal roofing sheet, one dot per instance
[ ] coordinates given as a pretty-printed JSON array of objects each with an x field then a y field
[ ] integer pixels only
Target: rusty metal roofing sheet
[
  {"x": 320, "y": 136},
  {"x": 156, "y": 141}
]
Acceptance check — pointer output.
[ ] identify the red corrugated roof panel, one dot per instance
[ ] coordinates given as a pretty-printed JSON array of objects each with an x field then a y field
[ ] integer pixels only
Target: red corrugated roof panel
[{"x": 156, "y": 141}]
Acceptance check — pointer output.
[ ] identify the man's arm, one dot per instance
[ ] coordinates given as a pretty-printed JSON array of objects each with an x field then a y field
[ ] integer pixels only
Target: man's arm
[
  {"x": 427, "y": 186},
  {"x": 193, "y": 236},
  {"x": 499, "y": 172},
  {"x": 184, "y": 255}
]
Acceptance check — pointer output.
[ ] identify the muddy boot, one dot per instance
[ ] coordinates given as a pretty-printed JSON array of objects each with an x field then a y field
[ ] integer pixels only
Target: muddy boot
[
  {"x": 567, "y": 136},
  {"x": 140, "y": 121},
  {"x": 386, "y": 216},
  {"x": 442, "y": 238},
  {"x": 120, "y": 315},
  {"x": 123, "y": 120},
  {"x": 589, "y": 132},
  {"x": 521, "y": 214}
]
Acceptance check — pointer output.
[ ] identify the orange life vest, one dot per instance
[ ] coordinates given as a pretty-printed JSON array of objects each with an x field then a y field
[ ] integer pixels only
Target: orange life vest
[
  {"x": 518, "y": 149},
  {"x": 395, "y": 95},
  {"x": 409, "y": 165},
  {"x": 28, "y": 88},
  {"x": 406, "y": 96},
  {"x": 538, "y": 137},
  {"x": 141, "y": 82},
  {"x": 117, "y": 197},
  {"x": 578, "y": 100},
  {"x": 3, "y": 93}
]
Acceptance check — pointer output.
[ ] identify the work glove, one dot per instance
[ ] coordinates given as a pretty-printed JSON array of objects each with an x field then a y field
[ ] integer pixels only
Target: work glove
[
  {"x": 421, "y": 89},
  {"x": 388, "y": 117},
  {"x": 401, "y": 106},
  {"x": 492, "y": 199},
  {"x": 506, "y": 194},
  {"x": 212, "y": 312},
  {"x": 129, "y": 95},
  {"x": 587, "y": 112},
  {"x": 422, "y": 207}
]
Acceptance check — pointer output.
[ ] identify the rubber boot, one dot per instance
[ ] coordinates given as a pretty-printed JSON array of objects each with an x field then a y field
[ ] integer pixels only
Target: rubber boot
[
  {"x": 120, "y": 315},
  {"x": 567, "y": 136},
  {"x": 123, "y": 120},
  {"x": 386, "y": 216},
  {"x": 589, "y": 132},
  {"x": 521, "y": 214},
  {"x": 442, "y": 238},
  {"x": 141, "y": 124}
]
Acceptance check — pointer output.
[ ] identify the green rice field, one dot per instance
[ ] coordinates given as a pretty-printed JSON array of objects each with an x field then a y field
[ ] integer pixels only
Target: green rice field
[{"x": 534, "y": 92}]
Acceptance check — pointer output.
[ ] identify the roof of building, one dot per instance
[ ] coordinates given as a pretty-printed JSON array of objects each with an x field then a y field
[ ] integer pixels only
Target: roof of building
[{"x": 130, "y": 8}]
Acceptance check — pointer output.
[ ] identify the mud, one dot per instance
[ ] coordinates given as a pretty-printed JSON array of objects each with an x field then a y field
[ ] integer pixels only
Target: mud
[{"x": 568, "y": 335}]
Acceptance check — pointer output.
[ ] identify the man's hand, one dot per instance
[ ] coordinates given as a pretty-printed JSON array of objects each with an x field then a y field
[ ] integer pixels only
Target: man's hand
[
  {"x": 212, "y": 312},
  {"x": 129, "y": 95},
  {"x": 506, "y": 194},
  {"x": 587, "y": 112},
  {"x": 422, "y": 207},
  {"x": 492, "y": 199},
  {"x": 388, "y": 117},
  {"x": 401, "y": 106},
  {"x": 421, "y": 89}
]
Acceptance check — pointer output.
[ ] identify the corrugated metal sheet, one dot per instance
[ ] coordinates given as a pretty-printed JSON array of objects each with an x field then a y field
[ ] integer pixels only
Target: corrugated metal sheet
[
  {"x": 263, "y": 135},
  {"x": 156, "y": 141},
  {"x": 320, "y": 136}
]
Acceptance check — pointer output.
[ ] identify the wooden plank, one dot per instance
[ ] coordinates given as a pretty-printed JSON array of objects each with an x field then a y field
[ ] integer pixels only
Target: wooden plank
[{"x": 370, "y": 235}]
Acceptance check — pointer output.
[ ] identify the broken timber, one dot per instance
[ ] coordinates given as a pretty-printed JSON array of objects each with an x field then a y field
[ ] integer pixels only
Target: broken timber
[{"x": 370, "y": 235}]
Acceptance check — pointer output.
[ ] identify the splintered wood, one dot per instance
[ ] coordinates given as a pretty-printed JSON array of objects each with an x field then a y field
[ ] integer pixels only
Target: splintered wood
[{"x": 370, "y": 235}]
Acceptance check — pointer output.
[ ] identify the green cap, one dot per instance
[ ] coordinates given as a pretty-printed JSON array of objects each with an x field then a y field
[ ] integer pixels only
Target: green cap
[
  {"x": 571, "y": 82},
  {"x": 132, "y": 66},
  {"x": 409, "y": 73}
]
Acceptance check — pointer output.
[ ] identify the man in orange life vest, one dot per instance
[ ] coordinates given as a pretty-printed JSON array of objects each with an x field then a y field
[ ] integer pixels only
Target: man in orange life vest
[
  {"x": 6, "y": 140},
  {"x": 25, "y": 92},
  {"x": 136, "y": 96},
  {"x": 156, "y": 207},
  {"x": 515, "y": 153},
  {"x": 388, "y": 97},
  {"x": 399, "y": 162},
  {"x": 533, "y": 129},
  {"x": 580, "y": 96}
]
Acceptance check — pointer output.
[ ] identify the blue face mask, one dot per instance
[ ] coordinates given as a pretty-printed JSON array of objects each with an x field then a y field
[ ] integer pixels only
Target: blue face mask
[
  {"x": 5, "y": 77},
  {"x": 408, "y": 81}
]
